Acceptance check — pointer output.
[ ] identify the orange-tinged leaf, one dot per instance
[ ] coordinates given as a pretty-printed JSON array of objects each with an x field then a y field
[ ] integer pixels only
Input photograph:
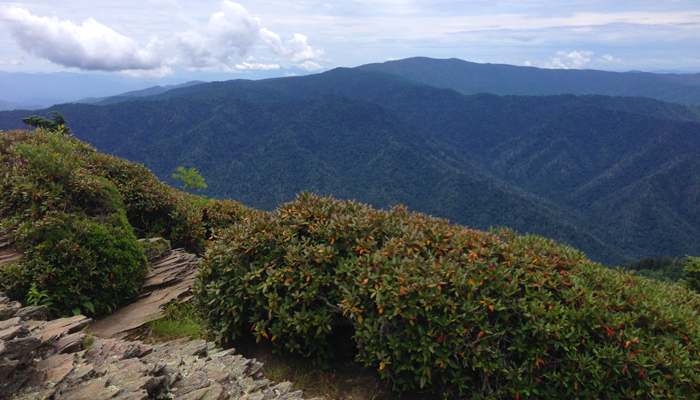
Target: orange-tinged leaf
[
  {"x": 490, "y": 307},
  {"x": 365, "y": 281},
  {"x": 442, "y": 338},
  {"x": 381, "y": 367},
  {"x": 359, "y": 319}
]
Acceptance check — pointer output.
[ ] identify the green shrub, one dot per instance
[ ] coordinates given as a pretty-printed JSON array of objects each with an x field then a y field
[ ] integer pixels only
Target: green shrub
[
  {"x": 691, "y": 274},
  {"x": 152, "y": 207},
  {"x": 218, "y": 215},
  {"x": 78, "y": 247},
  {"x": 86, "y": 265},
  {"x": 487, "y": 315}
]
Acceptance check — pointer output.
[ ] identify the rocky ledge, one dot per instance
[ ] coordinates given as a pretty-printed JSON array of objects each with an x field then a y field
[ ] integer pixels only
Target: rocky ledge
[{"x": 59, "y": 359}]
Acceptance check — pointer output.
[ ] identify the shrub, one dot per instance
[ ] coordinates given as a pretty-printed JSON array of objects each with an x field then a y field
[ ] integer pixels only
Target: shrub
[
  {"x": 691, "y": 274},
  {"x": 78, "y": 248},
  {"x": 218, "y": 215},
  {"x": 487, "y": 315},
  {"x": 86, "y": 265},
  {"x": 152, "y": 207}
]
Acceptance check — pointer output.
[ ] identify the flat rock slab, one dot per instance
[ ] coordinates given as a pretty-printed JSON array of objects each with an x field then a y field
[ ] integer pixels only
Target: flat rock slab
[
  {"x": 135, "y": 315},
  {"x": 175, "y": 267},
  {"x": 168, "y": 279}
]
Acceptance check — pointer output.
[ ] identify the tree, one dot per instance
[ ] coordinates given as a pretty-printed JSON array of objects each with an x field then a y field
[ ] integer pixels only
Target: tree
[
  {"x": 191, "y": 178},
  {"x": 691, "y": 273},
  {"x": 57, "y": 123}
]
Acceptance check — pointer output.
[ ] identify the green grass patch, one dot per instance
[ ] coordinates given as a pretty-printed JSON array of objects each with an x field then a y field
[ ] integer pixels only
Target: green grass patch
[{"x": 180, "y": 321}]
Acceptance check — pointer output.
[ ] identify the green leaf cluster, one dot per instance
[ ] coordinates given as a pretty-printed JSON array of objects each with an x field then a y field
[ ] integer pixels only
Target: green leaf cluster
[
  {"x": 431, "y": 304},
  {"x": 57, "y": 123},
  {"x": 192, "y": 179},
  {"x": 78, "y": 248},
  {"x": 76, "y": 215}
]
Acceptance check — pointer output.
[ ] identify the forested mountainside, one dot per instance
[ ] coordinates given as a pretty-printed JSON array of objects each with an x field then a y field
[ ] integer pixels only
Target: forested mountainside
[
  {"x": 427, "y": 304},
  {"x": 471, "y": 78},
  {"x": 616, "y": 177}
]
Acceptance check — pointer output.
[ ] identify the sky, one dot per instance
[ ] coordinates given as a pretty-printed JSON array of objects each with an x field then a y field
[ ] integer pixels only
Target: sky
[{"x": 218, "y": 40}]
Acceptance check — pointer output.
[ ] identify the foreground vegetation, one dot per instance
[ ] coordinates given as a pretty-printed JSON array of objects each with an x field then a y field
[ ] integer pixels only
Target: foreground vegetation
[
  {"x": 425, "y": 303},
  {"x": 76, "y": 215}
]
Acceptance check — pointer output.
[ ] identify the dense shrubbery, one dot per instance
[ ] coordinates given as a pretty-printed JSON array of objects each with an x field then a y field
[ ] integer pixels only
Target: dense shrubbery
[
  {"x": 660, "y": 268},
  {"x": 490, "y": 315},
  {"x": 76, "y": 213},
  {"x": 77, "y": 245},
  {"x": 154, "y": 208}
]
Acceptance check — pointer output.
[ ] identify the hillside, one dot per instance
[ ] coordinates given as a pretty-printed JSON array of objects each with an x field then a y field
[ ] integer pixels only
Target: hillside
[
  {"x": 472, "y": 78},
  {"x": 613, "y": 176}
]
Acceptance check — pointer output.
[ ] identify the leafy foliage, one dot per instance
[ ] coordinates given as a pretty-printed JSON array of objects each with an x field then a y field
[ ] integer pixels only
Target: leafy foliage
[
  {"x": 691, "y": 274},
  {"x": 57, "y": 123},
  {"x": 78, "y": 248},
  {"x": 192, "y": 179},
  {"x": 488, "y": 315},
  {"x": 659, "y": 268}
]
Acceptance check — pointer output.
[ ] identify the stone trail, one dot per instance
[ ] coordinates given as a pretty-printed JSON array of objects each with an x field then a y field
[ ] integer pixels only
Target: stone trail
[
  {"x": 59, "y": 359},
  {"x": 170, "y": 276}
]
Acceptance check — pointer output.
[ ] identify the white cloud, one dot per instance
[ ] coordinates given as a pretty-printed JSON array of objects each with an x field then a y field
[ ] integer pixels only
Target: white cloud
[
  {"x": 90, "y": 46},
  {"x": 157, "y": 73},
  {"x": 310, "y": 66},
  {"x": 607, "y": 58},
  {"x": 573, "y": 60},
  {"x": 264, "y": 67},
  {"x": 220, "y": 44}
]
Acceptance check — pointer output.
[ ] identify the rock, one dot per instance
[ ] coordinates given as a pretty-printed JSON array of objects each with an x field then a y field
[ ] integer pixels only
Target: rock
[
  {"x": 167, "y": 280},
  {"x": 215, "y": 392},
  {"x": 18, "y": 349},
  {"x": 7, "y": 367},
  {"x": 70, "y": 343},
  {"x": 8, "y": 310},
  {"x": 9, "y": 322},
  {"x": 13, "y": 332},
  {"x": 34, "y": 313},
  {"x": 46, "y": 360},
  {"x": 59, "y": 327}
]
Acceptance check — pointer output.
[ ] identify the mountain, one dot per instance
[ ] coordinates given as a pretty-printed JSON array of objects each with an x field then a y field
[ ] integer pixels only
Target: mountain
[
  {"x": 617, "y": 177},
  {"x": 151, "y": 91},
  {"x": 62, "y": 87},
  {"x": 472, "y": 78},
  {"x": 30, "y": 104}
]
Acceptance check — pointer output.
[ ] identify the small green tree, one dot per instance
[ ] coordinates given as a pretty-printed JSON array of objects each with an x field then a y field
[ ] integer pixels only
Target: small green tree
[
  {"x": 691, "y": 274},
  {"x": 193, "y": 180},
  {"x": 57, "y": 123}
]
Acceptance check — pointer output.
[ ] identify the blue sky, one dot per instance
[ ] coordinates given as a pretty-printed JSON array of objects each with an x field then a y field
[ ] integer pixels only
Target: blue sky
[{"x": 208, "y": 40}]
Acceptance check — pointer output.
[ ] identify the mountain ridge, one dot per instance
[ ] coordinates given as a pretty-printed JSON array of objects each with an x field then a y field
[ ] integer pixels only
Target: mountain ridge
[{"x": 384, "y": 140}]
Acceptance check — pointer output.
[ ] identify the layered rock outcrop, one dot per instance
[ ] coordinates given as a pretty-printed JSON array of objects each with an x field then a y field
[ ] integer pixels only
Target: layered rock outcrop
[{"x": 60, "y": 359}]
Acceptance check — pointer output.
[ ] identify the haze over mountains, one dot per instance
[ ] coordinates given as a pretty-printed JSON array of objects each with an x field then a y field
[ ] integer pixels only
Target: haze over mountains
[
  {"x": 34, "y": 91},
  {"x": 617, "y": 177}
]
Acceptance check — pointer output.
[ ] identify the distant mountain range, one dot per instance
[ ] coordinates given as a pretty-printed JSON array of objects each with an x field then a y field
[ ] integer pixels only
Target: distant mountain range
[
  {"x": 33, "y": 91},
  {"x": 472, "y": 78},
  {"x": 617, "y": 177}
]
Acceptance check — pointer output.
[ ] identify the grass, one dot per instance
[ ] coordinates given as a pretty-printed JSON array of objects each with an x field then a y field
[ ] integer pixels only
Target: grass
[{"x": 180, "y": 321}]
